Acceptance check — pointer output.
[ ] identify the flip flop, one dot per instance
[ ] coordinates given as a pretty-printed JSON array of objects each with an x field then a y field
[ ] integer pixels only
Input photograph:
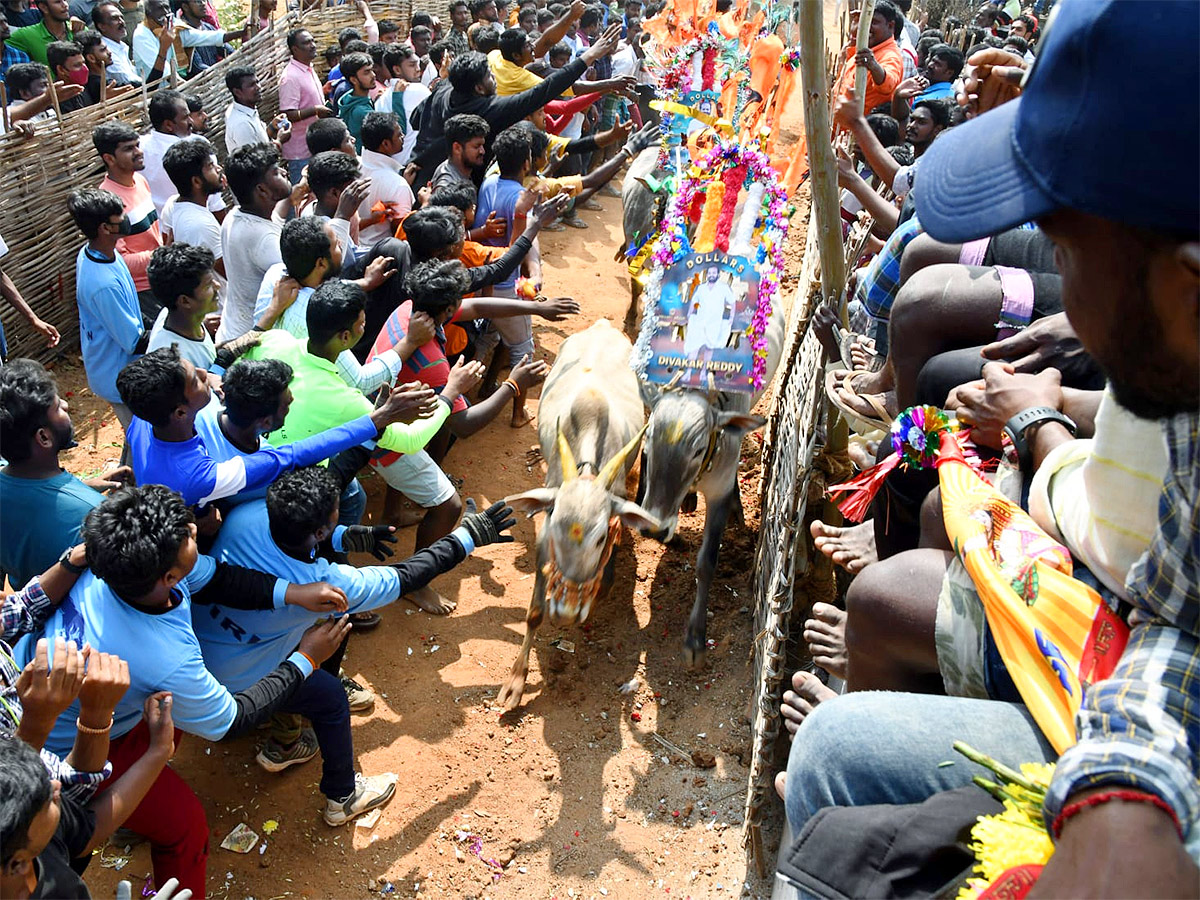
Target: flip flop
[
  {"x": 846, "y": 341},
  {"x": 864, "y": 425},
  {"x": 575, "y": 222},
  {"x": 554, "y": 226},
  {"x": 593, "y": 205}
]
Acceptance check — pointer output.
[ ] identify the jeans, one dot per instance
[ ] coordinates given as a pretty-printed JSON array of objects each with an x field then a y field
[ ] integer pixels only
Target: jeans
[
  {"x": 322, "y": 700},
  {"x": 295, "y": 169},
  {"x": 880, "y": 747},
  {"x": 353, "y": 504}
]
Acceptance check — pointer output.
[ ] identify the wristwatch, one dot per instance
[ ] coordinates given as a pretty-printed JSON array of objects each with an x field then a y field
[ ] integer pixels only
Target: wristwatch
[
  {"x": 65, "y": 562},
  {"x": 1016, "y": 427}
]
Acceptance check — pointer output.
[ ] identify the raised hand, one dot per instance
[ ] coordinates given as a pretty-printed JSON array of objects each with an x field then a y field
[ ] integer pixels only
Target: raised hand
[
  {"x": 490, "y": 526},
  {"x": 406, "y": 403},
  {"x": 352, "y": 198},
  {"x": 645, "y": 137},
  {"x": 104, "y": 684},
  {"x": 528, "y": 372},
  {"x": 46, "y": 689},
  {"x": 557, "y": 309},
  {"x": 373, "y": 539},
  {"x": 546, "y": 211},
  {"x": 317, "y": 597},
  {"x": 464, "y": 377},
  {"x": 421, "y": 330}
]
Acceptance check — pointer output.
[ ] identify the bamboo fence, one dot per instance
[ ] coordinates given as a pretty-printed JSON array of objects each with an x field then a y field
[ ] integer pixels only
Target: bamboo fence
[{"x": 37, "y": 174}]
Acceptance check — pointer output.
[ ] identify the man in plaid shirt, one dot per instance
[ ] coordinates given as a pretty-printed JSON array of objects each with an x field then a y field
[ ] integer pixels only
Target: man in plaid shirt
[{"x": 1124, "y": 803}]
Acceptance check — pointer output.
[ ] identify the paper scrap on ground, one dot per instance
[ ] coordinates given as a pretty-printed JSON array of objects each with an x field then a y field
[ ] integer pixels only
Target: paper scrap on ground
[{"x": 241, "y": 840}]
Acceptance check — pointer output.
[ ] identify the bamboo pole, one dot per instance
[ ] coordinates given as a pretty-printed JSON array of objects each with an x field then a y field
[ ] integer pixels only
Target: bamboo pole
[
  {"x": 861, "y": 44},
  {"x": 4, "y": 108},
  {"x": 822, "y": 166}
]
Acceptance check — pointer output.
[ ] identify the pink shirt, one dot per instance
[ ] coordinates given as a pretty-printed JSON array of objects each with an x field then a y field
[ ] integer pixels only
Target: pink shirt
[{"x": 298, "y": 89}]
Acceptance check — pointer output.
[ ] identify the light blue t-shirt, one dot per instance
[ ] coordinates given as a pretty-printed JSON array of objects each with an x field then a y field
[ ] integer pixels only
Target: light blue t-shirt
[
  {"x": 110, "y": 320},
  {"x": 208, "y": 428},
  {"x": 160, "y": 647}
]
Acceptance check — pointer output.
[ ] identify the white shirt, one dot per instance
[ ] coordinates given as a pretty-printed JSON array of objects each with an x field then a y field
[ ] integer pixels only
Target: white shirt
[
  {"x": 250, "y": 246},
  {"x": 430, "y": 74},
  {"x": 388, "y": 186},
  {"x": 184, "y": 222},
  {"x": 154, "y": 146},
  {"x": 624, "y": 61},
  {"x": 243, "y": 126},
  {"x": 121, "y": 68},
  {"x": 145, "y": 52},
  {"x": 200, "y": 353},
  {"x": 412, "y": 96}
]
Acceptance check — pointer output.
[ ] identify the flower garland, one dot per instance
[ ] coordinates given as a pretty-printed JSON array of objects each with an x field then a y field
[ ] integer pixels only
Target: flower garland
[
  {"x": 790, "y": 59},
  {"x": 737, "y": 164}
]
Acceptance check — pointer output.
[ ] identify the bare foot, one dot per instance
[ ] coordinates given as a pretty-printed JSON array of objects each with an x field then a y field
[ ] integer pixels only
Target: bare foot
[
  {"x": 860, "y": 405},
  {"x": 871, "y": 382},
  {"x": 431, "y": 601},
  {"x": 862, "y": 353},
  {"x": 825, "y": 634},
  {"x": 806, "y": 694},
  {"x": 852, "y": 548},
  {"x": 520, "y": 418},
  {"x": 781, "y": 784},
  {"x": 862, "y": 453}
]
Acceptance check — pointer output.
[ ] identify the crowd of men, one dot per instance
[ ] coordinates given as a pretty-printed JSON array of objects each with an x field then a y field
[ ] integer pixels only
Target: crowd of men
[
  {"x": 1056, "y": 310},
  {"x": 366, "y": 300},
  {"x": 378, "y": 263}
]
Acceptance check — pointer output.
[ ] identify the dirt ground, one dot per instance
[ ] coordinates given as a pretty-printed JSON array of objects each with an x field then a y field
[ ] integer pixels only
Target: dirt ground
[{"x": 584, "y": 791}]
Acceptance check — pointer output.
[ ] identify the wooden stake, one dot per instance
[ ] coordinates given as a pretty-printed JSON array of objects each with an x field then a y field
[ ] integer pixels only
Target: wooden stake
[
  {"x": 864, "y": 34},
  {"x": 54, "y": 97},
  {"x": 4, "y": 108}
]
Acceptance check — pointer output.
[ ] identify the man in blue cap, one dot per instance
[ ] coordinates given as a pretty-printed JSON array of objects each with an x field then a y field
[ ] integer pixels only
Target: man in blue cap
[{"x": 1123, "y": 208}]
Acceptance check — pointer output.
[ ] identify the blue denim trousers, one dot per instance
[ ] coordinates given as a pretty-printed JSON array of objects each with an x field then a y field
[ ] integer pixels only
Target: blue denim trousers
[
  {"x": 353, "y": 504},
  {"x": 881, "y": 747}
]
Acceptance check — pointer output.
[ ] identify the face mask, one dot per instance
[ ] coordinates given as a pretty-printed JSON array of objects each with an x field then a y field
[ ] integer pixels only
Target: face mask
[
  {"x": 126, "y": 228},
  {"x": 79, "y": 76}
]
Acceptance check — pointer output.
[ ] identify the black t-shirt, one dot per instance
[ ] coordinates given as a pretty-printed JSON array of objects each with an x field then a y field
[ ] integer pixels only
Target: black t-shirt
[{"x": 56, "y": 878}]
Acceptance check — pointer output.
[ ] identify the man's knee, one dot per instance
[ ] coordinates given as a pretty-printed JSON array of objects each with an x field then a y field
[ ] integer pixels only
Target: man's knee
[
  {"x": 923, "y": 251},
  {"x": 450, "y": 508},
  {"x": 325, "y": 700}
]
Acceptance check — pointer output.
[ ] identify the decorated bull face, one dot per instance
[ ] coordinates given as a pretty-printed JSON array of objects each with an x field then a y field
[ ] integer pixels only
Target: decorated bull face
[
  {"x": 682, "y": 441},
  {"x": 583, "y": 519}
]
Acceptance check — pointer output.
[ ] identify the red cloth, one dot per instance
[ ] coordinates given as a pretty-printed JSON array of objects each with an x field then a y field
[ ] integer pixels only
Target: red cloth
[
  {"x": 170, "y": 816},
  {"x": 560, "y": 112}
]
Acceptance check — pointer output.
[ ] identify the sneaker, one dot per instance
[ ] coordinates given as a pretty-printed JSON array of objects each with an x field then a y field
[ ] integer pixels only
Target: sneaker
[
  {"x": 361, "y": 699},
  {"x": 369, "y": 793},
  {"x": 274, "y": 757}
]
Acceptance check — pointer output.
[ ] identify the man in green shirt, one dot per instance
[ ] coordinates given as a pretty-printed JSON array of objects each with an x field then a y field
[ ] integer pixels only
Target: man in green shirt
[
  {"x": 359, "y": 70},
  {"x": 55, "y": 26},
  {"x": 321, "y": 398}
]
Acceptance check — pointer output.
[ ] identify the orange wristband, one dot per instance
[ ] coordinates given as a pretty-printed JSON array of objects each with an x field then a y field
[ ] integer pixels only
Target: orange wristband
[
  {"x": 513, "y": 384},
  {"x": 312, "y": 662}
]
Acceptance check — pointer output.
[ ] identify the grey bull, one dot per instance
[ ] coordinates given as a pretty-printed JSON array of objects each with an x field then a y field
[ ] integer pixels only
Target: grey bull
[
  {"x": 639, "y": 217},
  {"x": 693, "y": 444},
  {"x": 590, "y": 422}
]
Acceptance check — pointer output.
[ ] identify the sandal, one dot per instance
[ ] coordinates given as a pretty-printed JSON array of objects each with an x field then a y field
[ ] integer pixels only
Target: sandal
[
  {"x": 840, "y": 379},
  {"x": 364, "y": 621},
  {"x": 555, "y": 226},
  {"x": 575, "y": 222},
  {"x": 846, "y": 342},
  {"x": 592, "y": 205}
]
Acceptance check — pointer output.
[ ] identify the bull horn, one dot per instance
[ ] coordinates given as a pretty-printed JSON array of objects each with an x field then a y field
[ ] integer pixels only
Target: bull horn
[
  {"x": 566, "y": 458},
  {"x": 613, "y": 467},
  {"x": 674, "y": 382},
  {"x": 712, "y": 389}
]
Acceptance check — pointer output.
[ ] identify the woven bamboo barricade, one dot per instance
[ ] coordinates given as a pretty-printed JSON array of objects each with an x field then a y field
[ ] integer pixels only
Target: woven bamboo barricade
[{"x": 37, "y": 174}]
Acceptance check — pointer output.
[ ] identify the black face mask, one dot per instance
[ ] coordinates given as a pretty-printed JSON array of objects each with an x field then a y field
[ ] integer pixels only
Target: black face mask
[{"x": 126, "y": 227}]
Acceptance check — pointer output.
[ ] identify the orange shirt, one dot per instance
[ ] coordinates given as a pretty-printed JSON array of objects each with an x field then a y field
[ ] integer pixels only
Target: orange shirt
[{"x": 887, "y": 54}]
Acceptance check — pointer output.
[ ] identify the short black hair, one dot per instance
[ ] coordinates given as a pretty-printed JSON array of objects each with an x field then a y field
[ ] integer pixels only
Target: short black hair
[
  {"x": 24, "y": 793},
  {"x": 465, "y": 126},
  {"x": 951, "y": 56},
  {"x": 459, "y": 194},
  {"x": 420, "y": 31},
  {"x": 106, "y": 136},
  {"x": 97, "y": 19},
  {"x": 513, "y": 42},
  {"x": 195, "y": 102},
  {"x": 356, "y": 46},
  {"x": 293, "y": 37},
  {"x": 348, "y": 34},
  {"x": 152, "y": 386},
  {"x": 185, "y": 160},
  {"x": 431, "y": 230},
  {"x": 437, "y": 52},
  {"x": 419, "y": 19},
  {"x": 253, "y": 388},
  {"x": 923, "y": 47},
  {"x": 436, "y": 285},
  {"x": 562, "y": 48},
  {"x": 467, "y": 71},
  {"x": 247, "y": 167},
  {"x": 460, "y": 4},
  {"x": 301, "y": 502},
  {"x": 376, "y": 52},
  {"x": 20, "y": 78},
  {"x": 939, "y": 111},
  {"x": 331, "y": 169},
  {"x": 58, "y": 52},
  {"x": 387, "y": 26},
  {"x": 27, "y": 393},
  {"x": 334, "y": 307},
  {"x": 176, "y": 269},
  {"x": 590, "y": 17},
  {"x": 1030, "y": 24},
  {"x": 133, "y": 537},
  {"x": 378, "y": 127},
  {"x": 903, "y": 5},
  {"x": 886, "y": 128},
  {"x": 477, "y": 6},
  {"x": 539, "y": 141},
  {"x": 485, "y": 35},
  {"x": 396, "y": 54},
  {"x": 326, "y": 134},
  {"x": 303, "y": 243},
  {"x": 92, "y": 207},
  {"x": 87, "y": 40},
  {"x": 163, "y": 105},
  {"x": 236, "y": 77},
  {"x": 544, "y": 18},
  {"x": 353, "y": 63},
  {"x": 1014, "y": 40},
  {"x": 512, "y": 150},
  {"x": 891, "y": 14}
]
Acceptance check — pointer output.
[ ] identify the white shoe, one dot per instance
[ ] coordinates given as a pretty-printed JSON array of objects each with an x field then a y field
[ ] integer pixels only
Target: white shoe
[{"x": 369, "y": 793}]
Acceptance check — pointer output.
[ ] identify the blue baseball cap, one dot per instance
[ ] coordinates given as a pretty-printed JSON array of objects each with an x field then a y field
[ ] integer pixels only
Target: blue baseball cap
[{"x": 1107, "y": 124}]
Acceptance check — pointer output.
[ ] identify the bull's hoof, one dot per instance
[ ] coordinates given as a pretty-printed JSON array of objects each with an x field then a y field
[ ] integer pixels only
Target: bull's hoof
[
  {"x": 510, "y": 695},
  {"x": 694, "y": 657}
]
